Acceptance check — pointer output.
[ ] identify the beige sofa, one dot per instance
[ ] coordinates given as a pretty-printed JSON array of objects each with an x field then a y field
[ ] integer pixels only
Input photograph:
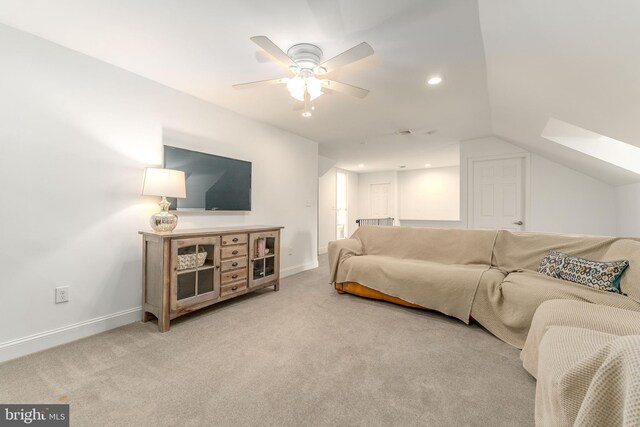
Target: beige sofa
[
  {"x": 485, "y": 274},
  {"x": 586, "y": 358}
]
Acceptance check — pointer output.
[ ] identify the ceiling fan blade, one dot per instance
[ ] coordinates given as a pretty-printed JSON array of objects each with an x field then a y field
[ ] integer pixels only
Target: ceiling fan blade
[
  {"x": 270, "y": 47},
  {"x": 260, "y": 83},
  {"x": 354, "y": 54},
  {"x": 345, "y": 88}
]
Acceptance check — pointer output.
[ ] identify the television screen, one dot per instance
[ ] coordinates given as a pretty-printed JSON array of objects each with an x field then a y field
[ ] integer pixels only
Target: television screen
[{"x": 213, "y": 182}]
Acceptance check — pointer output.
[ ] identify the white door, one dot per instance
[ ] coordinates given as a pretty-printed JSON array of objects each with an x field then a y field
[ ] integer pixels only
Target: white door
[
  {"x": 498, "y": 194},
  {"x": 379, "y": 200}
]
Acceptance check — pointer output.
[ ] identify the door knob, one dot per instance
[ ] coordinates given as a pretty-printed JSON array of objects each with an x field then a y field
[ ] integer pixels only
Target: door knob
[{"x": 518, "y": 223}]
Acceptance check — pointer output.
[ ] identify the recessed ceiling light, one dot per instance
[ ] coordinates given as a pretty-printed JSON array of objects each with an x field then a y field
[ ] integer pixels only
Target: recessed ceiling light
[
  {"x": 402, "y": 166},
  {"x": 434, "y": 80},
  {"x": 360, "y": 165},
  {"x": 427, "y": 165},
  {"x": 306, "y": 114}
]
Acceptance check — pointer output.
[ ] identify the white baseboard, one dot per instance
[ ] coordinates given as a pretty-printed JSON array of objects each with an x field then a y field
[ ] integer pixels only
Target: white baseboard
[
  {"x": 290, "y": 271},
  {"x": 54, "y": 337},
  {"x": 323, "y": 250}
]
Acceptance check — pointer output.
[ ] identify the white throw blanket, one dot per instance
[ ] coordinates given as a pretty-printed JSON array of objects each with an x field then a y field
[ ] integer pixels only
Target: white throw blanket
[
  {"x": 577, "y": 314},
  {"x": 588, "y": 378}
]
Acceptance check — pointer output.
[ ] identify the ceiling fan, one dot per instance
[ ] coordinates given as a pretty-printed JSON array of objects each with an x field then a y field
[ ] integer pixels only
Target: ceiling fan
[{"x": 304, "y": 60}]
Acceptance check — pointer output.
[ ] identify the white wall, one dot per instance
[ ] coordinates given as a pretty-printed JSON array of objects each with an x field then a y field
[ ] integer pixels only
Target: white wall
[
  {"x": 324, "y": 164},
  {"x": 628, "y": 209},
  {"x": 417, "y": 197},
  {"x": 76, "y": 134},
  {"x": 561, "y": 199},
  {"x": 431, "y": 224},
  {"x": 429, "y": 194},
  {"x": 326, "y": 210},
  {"x": 566, "y": 201}
]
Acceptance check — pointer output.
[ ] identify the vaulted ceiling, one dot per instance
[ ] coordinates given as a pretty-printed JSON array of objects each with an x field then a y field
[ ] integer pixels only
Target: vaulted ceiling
[
  {"x": 573, "y": 60},
  {"x": 508, "y": 66}
]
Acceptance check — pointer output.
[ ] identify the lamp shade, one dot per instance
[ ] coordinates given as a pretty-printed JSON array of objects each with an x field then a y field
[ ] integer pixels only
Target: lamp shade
[{"x": 164, "y": 183}]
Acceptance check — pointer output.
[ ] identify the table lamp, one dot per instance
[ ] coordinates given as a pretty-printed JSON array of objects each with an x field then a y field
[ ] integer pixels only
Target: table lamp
[{"x": 164, "y": 183}]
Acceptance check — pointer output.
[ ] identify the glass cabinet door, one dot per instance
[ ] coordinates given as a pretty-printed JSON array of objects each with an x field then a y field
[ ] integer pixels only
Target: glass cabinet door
[
  {"x": 264, "y": 249},
  {"x": 194, "y": 275}
]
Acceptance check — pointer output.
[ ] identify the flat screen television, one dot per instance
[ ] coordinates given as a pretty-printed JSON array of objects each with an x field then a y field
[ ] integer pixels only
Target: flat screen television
[{"x": 214, "y": 183}]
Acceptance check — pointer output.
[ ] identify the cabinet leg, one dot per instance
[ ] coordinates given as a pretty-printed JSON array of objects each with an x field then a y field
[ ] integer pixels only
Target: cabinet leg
[
  {"x": 276, "y": 287},
  {"x": 146, "y": 316},
  {"x": 163, "y": 322}
]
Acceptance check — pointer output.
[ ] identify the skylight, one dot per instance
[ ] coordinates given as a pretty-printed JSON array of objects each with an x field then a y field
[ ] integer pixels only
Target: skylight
[{"x": 601, "y": 147}]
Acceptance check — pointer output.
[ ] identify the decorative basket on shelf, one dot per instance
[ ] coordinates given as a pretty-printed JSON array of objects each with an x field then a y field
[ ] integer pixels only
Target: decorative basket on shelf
[{"x": 193, "y": 260}]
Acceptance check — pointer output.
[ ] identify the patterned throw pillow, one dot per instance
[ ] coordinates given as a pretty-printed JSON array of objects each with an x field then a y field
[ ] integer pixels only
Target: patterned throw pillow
[
  {"x": 552, "y": 263},
  {"x": 595, "y": 274}
]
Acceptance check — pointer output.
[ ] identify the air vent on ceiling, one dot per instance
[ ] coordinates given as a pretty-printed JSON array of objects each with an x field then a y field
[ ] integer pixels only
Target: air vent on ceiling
[{"x": 404, "y": 132}]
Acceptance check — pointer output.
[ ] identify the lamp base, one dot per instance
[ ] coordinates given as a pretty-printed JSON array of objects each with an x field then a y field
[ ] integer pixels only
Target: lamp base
[{"x": 164, "y": 220}]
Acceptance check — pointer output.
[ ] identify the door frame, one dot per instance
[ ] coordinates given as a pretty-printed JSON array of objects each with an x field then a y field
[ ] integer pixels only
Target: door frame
[
  {"x": 526, "y": 171},
  {"x": 346, "y": 202}
]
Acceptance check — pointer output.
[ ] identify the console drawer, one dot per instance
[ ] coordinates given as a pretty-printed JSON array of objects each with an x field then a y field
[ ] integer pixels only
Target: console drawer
[
  {"x": 233, "y": 276},
  {"x": 234, "y": 239},
  {"x": 233, "y": 264},
  {"x": 233, "y": 251},
  {"x": 232, "y": 288}
]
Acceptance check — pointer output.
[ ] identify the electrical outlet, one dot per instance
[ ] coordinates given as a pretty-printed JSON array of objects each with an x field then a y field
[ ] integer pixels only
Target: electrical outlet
[{"x": 62, "y": 294}]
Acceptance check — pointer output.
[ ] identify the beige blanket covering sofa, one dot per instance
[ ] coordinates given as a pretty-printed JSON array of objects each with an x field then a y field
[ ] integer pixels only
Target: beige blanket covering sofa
[
  {"x": 586, "y": 358},
  {"x": 485, "y": 274}
]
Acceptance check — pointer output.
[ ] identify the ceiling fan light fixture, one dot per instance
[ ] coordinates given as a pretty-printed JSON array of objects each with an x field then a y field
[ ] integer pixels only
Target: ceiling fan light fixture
[
  {"x": 298, "y": 85},
  {"x": 296, "y": 88},
  {"x": 306, "y": 114},
  {"x": 314, "y": 87}
]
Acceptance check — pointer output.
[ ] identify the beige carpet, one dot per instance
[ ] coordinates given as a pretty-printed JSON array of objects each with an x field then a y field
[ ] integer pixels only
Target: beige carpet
[{"x": 299, "y": 357}]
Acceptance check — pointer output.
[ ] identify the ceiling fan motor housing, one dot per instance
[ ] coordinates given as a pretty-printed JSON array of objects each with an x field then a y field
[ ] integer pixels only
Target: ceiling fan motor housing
[{"x": 306, "y": 56}]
